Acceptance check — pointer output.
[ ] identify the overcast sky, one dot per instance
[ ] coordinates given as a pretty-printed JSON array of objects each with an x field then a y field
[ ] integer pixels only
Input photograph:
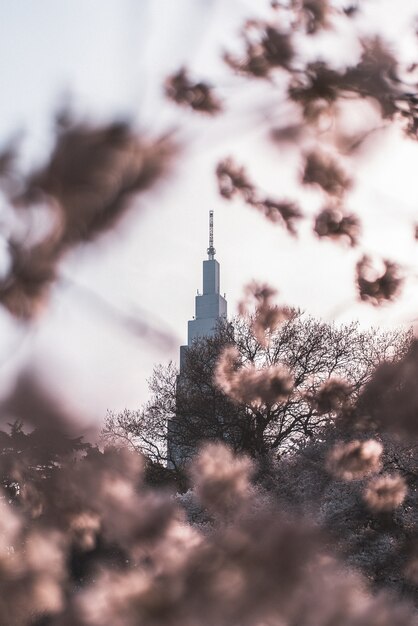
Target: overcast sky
[{"x": 111, "y": 57}]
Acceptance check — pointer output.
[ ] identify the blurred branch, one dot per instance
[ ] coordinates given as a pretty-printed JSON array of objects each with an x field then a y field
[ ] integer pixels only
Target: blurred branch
[{"x": 133, "y": 323}]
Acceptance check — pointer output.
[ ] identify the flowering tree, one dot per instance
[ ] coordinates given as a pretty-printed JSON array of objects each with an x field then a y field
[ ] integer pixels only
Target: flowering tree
[
  {"x": 90, "y": 544},
  {"x": 260, "y": 397}
]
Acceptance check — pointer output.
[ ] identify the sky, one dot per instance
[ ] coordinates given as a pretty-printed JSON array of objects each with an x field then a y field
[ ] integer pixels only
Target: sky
[{"x": 109, "y": 58}]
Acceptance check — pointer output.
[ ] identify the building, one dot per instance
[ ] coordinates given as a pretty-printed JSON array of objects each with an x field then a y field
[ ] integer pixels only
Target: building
[{"x": 210, "y": 307}]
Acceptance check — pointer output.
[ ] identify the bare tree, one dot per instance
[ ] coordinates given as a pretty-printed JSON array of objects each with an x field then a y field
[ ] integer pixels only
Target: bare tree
[{"x": 327, "y": 364}]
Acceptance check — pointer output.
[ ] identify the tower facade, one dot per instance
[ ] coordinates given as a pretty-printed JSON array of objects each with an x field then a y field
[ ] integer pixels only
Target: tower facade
[{"x": 210, "y": 306}]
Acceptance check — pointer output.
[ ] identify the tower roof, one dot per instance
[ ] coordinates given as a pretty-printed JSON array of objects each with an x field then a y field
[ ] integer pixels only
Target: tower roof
[{"x": 211, "y": 249}]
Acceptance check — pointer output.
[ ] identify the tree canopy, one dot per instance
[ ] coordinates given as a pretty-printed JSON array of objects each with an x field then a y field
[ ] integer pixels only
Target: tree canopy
[{"x": 325, "y": 365}]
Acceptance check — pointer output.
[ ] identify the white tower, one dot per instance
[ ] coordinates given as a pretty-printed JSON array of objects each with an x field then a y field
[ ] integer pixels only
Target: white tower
[{"x": 210, "y": 306}]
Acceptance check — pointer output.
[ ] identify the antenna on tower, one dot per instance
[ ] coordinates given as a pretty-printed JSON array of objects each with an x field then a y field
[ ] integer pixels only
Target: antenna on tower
[{"x": 211, "y": 249}]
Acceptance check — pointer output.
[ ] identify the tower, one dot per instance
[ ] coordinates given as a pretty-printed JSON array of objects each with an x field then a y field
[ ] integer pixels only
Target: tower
[{"x": 210, "y": 306}]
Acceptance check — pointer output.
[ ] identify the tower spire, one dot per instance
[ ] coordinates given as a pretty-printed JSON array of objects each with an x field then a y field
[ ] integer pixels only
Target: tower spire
[{"x": 211, "y": 249}]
